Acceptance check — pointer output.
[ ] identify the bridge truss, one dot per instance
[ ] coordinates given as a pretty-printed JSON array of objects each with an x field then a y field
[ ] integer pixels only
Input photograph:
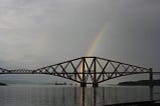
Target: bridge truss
[{"x": 86, "y": 70}]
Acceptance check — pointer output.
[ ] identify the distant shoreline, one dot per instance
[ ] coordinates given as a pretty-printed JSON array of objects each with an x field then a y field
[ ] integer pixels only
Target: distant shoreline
[
  {"x": 3, "y": 84},
  {"x": 140, "y": 83}
]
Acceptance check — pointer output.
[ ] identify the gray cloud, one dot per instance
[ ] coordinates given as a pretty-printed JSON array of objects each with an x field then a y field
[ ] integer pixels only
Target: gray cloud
[{"x": 36, "y": 33}]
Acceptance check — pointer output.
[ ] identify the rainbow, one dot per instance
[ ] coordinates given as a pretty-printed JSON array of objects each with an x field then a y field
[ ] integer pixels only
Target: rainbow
[{"x": 95, "y": 41}]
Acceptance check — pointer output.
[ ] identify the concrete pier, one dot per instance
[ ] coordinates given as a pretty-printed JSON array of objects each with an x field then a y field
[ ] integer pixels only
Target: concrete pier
[
  {"x": 83, "y": 84},
  {"x": 95, "y": 85}
]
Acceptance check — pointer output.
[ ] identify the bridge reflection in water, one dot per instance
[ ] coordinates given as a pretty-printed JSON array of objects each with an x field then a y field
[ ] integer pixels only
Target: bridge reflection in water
[
  {"x": 101, "y": 97},
  {"x": 73, "y": 96},
  {"x": 89, "y": 96}
]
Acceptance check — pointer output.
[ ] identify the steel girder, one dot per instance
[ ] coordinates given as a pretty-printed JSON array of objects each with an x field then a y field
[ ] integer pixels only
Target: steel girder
[
  {"x": 91, "y": 70},
  {"x": 88, "y": 70}
]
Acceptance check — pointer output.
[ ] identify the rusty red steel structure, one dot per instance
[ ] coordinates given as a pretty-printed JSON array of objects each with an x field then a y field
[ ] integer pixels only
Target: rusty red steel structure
[{"x": 87, "y": 70}]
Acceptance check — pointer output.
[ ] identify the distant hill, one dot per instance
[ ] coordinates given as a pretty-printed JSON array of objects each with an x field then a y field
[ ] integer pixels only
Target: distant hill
[
  {"x": 140, "y": 82},
  {"x": 2, "y": 84}
]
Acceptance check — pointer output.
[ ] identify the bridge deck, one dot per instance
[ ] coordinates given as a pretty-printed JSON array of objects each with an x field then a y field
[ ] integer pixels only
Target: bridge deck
[
  {"x": 86, "y": 70},
  {"x": 16, "y": 72}
]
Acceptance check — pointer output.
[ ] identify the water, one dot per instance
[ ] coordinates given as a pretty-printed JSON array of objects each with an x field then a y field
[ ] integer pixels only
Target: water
[{"x": 45, "y": 95}]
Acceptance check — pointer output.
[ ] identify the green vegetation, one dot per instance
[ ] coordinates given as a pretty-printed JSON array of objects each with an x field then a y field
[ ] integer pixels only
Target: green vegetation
[{"x": 140, "y": 83}]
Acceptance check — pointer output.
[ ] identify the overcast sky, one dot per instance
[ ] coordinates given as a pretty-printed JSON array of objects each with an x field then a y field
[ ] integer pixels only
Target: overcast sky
[{"x": 37, "y": 33}]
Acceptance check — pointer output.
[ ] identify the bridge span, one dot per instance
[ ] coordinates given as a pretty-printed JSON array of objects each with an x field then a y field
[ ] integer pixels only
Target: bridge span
[{"x": 88, "y": 70}]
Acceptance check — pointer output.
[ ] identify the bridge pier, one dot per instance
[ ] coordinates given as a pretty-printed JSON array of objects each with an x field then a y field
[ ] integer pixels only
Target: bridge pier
[
  {"x": 83, "y": 84},
  {"x": 151, "y": 85},
  {"x": 95, "y": 85},
  {"x": 151, "y": 78}
]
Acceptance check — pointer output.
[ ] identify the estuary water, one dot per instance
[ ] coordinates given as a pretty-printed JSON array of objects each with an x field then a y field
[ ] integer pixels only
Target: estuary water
[{"x": 48, "y": 95}]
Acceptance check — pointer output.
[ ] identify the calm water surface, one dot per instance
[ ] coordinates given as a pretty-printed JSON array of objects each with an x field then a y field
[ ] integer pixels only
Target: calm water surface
[{"x": 29, "y": 95}]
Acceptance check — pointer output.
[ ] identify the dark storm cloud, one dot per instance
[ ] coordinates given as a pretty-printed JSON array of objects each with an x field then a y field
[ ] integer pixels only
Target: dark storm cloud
[
  {"x": 136, "y": 32},
  {"x": 36, "y": 33}
]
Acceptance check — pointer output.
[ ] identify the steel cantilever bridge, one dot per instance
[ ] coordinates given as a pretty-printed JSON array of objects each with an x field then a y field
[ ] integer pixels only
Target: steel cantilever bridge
[{"x": 87, "y": 70}]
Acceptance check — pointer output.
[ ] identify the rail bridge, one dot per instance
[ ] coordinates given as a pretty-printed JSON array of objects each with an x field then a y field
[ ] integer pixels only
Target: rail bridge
[{"x": 88, "y": 70}]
